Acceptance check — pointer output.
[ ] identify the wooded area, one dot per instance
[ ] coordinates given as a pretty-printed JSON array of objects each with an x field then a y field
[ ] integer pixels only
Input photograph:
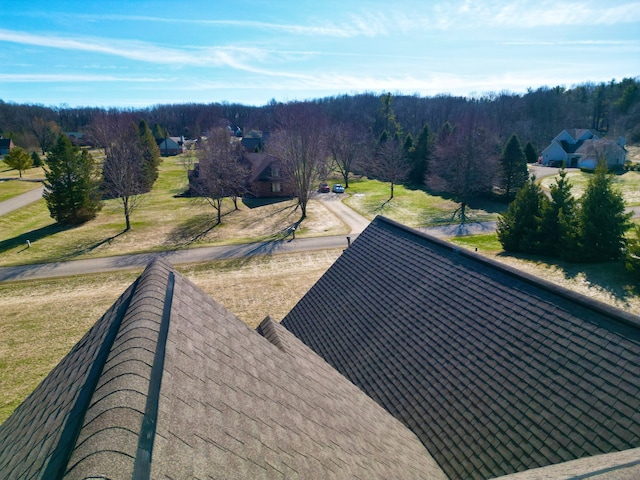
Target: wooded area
[{"x": 537, "y": 116}]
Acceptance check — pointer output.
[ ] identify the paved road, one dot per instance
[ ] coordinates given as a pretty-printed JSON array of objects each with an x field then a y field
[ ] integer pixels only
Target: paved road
[
  {"x": 123, "y": 262},
  {"x": 21, "y": 200}
]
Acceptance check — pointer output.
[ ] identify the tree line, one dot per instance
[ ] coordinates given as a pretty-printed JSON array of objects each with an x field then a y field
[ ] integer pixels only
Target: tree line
[
  {"x": 537, "y": 115},
  {"x": 590, "y": 229}
]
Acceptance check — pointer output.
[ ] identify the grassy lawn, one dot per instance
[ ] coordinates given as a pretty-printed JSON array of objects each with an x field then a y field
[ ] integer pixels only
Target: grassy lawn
[
  {"x": 37, "y": 329},
  {"x": 628, "y": 183},
  {"x": 162, "y": 222},
  {"x": 412, "y": 207},
  {"x": 13, "y": 188},
  {"x": 607, "y": 282},
  {"x": 12, "y": 185},
  {"x": 35, "y": 173}
]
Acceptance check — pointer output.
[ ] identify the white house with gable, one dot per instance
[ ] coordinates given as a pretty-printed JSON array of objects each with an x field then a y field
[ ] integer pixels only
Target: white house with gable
[{"x": 582, "y": 148}]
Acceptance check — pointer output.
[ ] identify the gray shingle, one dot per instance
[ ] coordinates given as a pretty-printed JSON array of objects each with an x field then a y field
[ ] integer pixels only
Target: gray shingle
[{"x": 232, "y": 403}]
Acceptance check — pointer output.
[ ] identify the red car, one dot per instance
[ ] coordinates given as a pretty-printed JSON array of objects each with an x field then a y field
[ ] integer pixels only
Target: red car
[{"x": 324, "y": 188}]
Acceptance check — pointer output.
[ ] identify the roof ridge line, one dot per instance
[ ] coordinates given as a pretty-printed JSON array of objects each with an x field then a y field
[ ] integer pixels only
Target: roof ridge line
[
  {"x": 613, "y": 313},
  {"x": 75, "y": 422},
  {"x": 142, "y": 464}
]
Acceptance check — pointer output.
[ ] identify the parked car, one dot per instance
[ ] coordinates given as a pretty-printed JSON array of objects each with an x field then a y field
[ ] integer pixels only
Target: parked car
[
  {"x": 324, "y": 188},
  {"x": 337, "y": 188}
]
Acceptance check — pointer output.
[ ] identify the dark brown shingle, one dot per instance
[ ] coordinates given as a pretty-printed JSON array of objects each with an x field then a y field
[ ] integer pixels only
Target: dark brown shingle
[{"x": 495, "y": 371}]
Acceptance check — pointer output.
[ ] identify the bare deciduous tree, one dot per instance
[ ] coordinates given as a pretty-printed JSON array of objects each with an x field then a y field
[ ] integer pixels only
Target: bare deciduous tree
[
  {"x": 123, "y": 168},
  {"x": 46, "y": 132},
  {"x": 465, "y": 161},
  {"x": 219, "y": 172},
  {"x": 391, "y": 163},
  {"x": 300, "y": 143},
  {"x": 348, "y": 145}
]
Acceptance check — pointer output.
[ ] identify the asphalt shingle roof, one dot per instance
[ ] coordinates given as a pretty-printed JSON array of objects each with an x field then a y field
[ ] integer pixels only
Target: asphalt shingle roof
[
  {"x": 496, "y": 372},
  {"x": 169, "y": 384}
]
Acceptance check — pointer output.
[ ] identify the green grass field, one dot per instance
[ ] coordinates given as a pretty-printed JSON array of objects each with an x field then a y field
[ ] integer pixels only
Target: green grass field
[
  {"x": 412, "y": 207},
  {"x": 627, "y": 183},
  {"x": 161, "y": 222}
]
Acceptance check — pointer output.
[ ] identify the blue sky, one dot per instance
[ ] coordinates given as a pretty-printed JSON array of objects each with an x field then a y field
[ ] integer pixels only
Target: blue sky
[{"x": 138, "y": 53}]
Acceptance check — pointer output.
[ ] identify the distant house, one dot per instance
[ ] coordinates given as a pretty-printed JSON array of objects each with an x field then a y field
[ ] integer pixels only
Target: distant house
[
  {"x": 266, "y": 178},
  {"x": 6, "y": 144},
  {"x": 77, "y": 138},
  {"x": 581, "y": 148},
  {"x": 171, "y": 146},
  {"x": 254, "y": 141},
  {"x": 593, "y": 150}
]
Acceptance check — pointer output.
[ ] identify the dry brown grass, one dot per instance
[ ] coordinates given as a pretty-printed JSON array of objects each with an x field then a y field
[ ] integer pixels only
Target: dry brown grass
[{"x": 41, "y": 320}]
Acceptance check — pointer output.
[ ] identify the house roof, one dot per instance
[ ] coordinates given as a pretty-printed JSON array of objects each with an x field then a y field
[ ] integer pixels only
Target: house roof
[
  {"x": 169, "y": 384},
  {"x": 495, "y": 371},
  {"x": 259, "y": 162},
  {"x": 6, "y": 143},
  {"x": 602, "y": 146}
]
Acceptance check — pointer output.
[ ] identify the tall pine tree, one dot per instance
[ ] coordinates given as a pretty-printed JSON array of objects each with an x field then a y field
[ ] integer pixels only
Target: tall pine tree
[
  {"x": 560, "y": 221},
  {"x": 603, "y": 218},
  {"x": 72, "y": 189},
  {"x": 514, "y": 166},
  {"x": 519, "y": 227},
  {"x": 150, "y": 156},
  {"x": 420, "y": 156}
]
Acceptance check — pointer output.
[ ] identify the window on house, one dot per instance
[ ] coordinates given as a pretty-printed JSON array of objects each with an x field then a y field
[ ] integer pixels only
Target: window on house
[
  {"x": 275, "y": 171},
  {"x": 275, "y": 187}
]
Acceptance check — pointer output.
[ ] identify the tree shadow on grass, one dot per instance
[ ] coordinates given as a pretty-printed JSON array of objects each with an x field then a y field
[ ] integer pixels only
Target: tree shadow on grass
[
  {"x": 262, "y": 202},
  {"x": 192, "y": 230},
  {"x": 242, "y": 254},
  {"x": 32, "y": 236},
  {"x": 255, "y": 219},
  {"x": 90, "y": 248},
  {"x": 609, "y": 277}
]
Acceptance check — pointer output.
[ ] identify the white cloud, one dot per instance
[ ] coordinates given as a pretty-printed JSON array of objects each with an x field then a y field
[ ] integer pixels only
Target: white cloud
[
  {"x": 469, "y": 14},
  {"x": 72, "y": 78},
  {"x": 238, "y": 58}
]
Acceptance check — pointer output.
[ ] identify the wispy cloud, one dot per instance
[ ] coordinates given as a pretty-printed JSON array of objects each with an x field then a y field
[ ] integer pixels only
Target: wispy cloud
[
  {"x": 528, "y": 14},
  {"x": 234, "y": 57},
  {"x": 468, "y": 14},
  {"x": 354, "y": 26},
  {"x": 73, "y": 78}
]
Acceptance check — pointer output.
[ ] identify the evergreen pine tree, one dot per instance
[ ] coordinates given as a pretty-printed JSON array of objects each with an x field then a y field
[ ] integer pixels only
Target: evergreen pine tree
[
  {"x": 633, "y": 253},
  {"x": 603, "y": 218},
  {"x": 71, "y": 187},
  {"x": 150, "y": 156},
  {"x": 514, "y": 166},
  {"x": 530, "y": 153},
  {"x": 519, "y": 227},
  {"x": 559, "y": 225},
  {"x": 420, "y": 156}
]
